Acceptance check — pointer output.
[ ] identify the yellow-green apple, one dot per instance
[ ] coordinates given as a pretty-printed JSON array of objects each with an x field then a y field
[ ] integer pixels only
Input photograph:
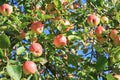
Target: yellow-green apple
[
  {"x": 113, "y": 34},
  {"x": 104, "y": 19},
  {"x": 117, "y": 41},
  {"x": 93, "y": 20},
  {"x": 36, "y": 49},
  {"x": 6, "y": 9},
  {"x": 37, "y": 27},
  {"x": 29, "y": 67},
  {"x": 21, "y": 35},
  {"x": 99, "y": 31},
  {"x": 60, "y": 41}
]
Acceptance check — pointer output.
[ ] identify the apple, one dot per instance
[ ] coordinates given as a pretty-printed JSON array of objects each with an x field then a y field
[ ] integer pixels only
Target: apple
[
  {"x": 64, "y": 2},
  {"x": 113, "y": 34},
  {"x": 36, "y": 49},
  {"x": 76, "y": 5},
  {"x": 70, "y": 75},
  {"x": 21, "y": 35},
  {"x": 117, "y": 41},
  {"x": 117, "y": 76},
  {"x": 104, "y": 19},
  {"x": 37, "y": 27},
  {"x": 29, "y": 67},
  {"x": 65, "y": 57},
  {"x": 60, "y": 41},
  {"x": 100, "y": 39},
  {"x": 6, "y": 9},
  {"x": 99, "y": 31},
  {"x": 93, "y": 20}
]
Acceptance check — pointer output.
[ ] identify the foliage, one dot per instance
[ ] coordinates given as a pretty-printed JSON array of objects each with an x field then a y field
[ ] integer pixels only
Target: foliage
[{"x": 83, "y": 58}]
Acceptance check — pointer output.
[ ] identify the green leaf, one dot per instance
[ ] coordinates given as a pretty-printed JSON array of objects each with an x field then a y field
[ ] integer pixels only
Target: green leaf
[
  {"x": 20, "y": 50},
  {"x": 1, "y": 53},
  {"x": 41, "y": 60},
  {"x": 110, "y": 77},
  {"x": 4, "y": 41},
  {"x": 101, "y": 63},
  {"x": 15, "y": 71},
  {"x": 58, "y": 4}
]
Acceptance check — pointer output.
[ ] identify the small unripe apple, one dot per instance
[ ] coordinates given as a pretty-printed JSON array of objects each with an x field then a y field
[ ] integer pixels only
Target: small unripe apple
[
  {"x": 36, "y": 49},
  {"x": 29, "y": 67},
  {"x": 60, "y": 41},
  {"x": 113, "y": 34},
  {"x": 117, "y": 41},
  {"x": 93, "y": 20},
  {"x": 99, "y": 31},
  {"x": 37, "y": 27},
  {"x": 6, "y": 9},
  {"x": 104, "y": 19}
]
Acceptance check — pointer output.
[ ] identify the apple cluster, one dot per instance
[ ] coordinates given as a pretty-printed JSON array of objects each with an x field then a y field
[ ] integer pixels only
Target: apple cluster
[{"x": 94, "y": 21}]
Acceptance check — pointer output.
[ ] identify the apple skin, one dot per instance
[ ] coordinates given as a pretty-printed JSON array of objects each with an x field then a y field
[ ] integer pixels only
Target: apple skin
[
  {"x": 100, "y": 39},
  {"x": 99, "y": 31},
  {"x": 64, "y": 2},
  {"x": 37, "y": 27},
  {"x": 93, "y": 20},
  {"x": 104, "y": 19},
  {"x": 60, "y": 41},
  {"x": 36, "y": 49},
  {"x": 113, "y": 34},
  {"x": 117, "y": 76},
  {"x": 29, "y": 67},
  {"x": 117, "y": 41},
  {"x": 6, "y": 9}
]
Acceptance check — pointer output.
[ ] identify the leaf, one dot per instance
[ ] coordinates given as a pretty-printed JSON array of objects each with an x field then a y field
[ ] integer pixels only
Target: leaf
[
  {"x": 1, "y": 53},
  {"x": 20, "y": 50},
  {"x": 58, "y": 4},
  {"x": 110, "y": 77},
  {"x": 101, "y": 63},
  {"x": 41, "y": 60},
  {"x": 15, "y": 71},
  {"x": 4, "y": 41}
]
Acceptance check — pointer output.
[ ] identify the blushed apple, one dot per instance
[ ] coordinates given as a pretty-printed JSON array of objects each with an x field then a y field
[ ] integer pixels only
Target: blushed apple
[
  {"x": 29, "y": 67},
  {"x": 37, "y": 27},
  {"x": 99, "y": 31},
  {"x": 6, "y": 9},
  {"x": 36, "y": 49},
  {"x": 104, "y": 19},
  {"x": 60, "y": 41},
  {"x": 113, "y": 34},
  {"x": 93, "y": 20}
]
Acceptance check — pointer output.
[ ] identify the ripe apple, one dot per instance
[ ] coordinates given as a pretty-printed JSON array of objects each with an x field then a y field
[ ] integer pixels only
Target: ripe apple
[
  {"x": 104, "y": 19},
  {"x": 117, "y": 76},
  {"x": 117, "y": 41},
  {"x": 37, "y": 27},
  {"x": 21, "y": 35},
  {"x": 6, "y": 9},
  {"x": 113, "y": 34},
  {"x": 60, "y": 41},
  {"x": 93, "y": 20},
  {"x": 99, "y": 31},
  {"x": 36, "y": 49},
  {"x": 29, "y": 67}
]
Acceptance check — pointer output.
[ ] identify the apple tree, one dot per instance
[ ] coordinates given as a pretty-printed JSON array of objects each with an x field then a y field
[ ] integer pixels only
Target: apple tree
[{"x": 59, "y": 40}]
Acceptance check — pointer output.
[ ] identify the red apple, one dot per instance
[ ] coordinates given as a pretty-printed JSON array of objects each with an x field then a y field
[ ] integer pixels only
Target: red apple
[
  {"x": 29, "y": 67},
  {"x": 113, "y": 34},
  {"x": 37, "y": 27},
  {"x": 93, "y": 20},
  {"x": 99, "y": 31},
  {"x": 104, "y": 19},
  {"x": 36, "y": 49},
  {"x": 117, "y": 41},
  {"x": 6, "y": 9},
  {"x": 60, "y": 41}
]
